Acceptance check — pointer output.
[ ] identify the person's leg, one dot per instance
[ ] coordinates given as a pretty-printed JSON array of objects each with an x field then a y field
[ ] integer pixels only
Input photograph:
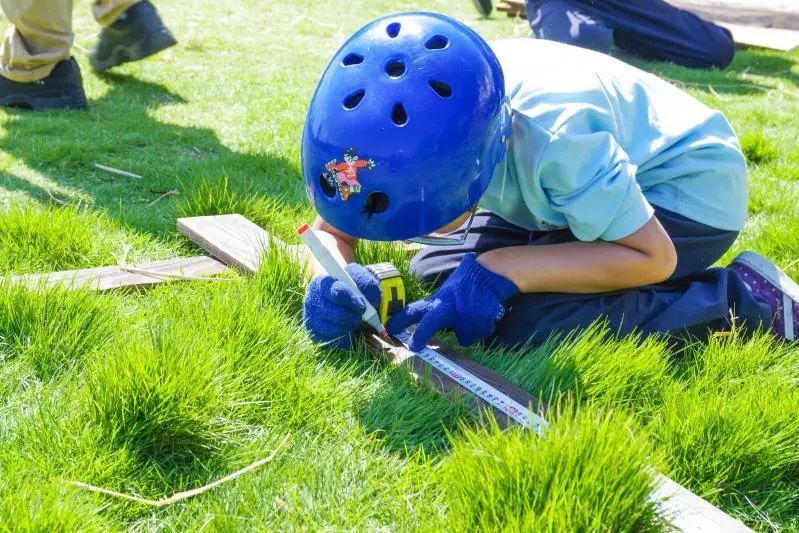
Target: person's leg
[
  {"x": 40, "y": 36},
  {"x": 433, "y": 264},
  {"x": 484, "y": 7},
  {"x": 132, "y": 30},
  {"x": 560, "y": 21},
  {"x": 657, "y": 30},
  {"x": 106, "y": 12},
  {"x": 693, "y": 302},
  {"x": 36, "y": 71}
]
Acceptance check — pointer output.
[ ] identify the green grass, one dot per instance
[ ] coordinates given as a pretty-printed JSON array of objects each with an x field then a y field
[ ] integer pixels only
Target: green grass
[
  {"x": 167, "y": 390},
  {"x": 527, "y": 483}
]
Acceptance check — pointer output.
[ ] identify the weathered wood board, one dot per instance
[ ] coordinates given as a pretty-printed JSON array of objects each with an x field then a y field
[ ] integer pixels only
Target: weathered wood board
[
  {"x": 772, "y": 38},
  {"x": 232, "y": 239},
  {"x": 394, "y": 352},
  {"x": 760, "y": 13},
  {"x": 139, "y": 276},
  {"x": 688, "y": 512}
]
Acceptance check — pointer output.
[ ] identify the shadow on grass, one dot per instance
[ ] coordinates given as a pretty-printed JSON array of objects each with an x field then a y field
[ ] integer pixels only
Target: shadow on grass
[
  {"x": 407, "y": 417},
  {"x": 121, "y": 129},
  {"x": 745, "y": 76}
]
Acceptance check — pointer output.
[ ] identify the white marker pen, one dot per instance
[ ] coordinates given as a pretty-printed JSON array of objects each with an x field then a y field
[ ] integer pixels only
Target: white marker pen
[{"x": 335, "y": 267}]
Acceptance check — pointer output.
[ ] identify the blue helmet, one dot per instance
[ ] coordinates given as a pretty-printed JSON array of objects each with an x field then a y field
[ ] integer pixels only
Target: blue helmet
[{"x": 405, "y": 128}]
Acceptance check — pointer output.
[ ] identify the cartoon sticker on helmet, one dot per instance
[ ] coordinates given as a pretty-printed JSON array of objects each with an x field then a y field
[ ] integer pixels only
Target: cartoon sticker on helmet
[{"x": 344, "y": 175}]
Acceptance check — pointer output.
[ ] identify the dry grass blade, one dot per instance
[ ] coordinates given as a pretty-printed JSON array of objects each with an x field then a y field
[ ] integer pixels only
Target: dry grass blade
[
  {"x": 164, "y": 275},
  {"x": 117, "y": 171},
  {"x": 173, "y": 192},
  {"x": 180, "y": 496}
]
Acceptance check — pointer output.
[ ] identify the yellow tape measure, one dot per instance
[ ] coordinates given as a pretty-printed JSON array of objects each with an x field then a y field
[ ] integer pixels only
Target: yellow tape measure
[{"x": 392, "y": 287}]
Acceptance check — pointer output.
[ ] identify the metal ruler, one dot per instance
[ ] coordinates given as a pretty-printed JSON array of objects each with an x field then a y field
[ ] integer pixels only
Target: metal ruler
[{"x": 497, "y": 399}]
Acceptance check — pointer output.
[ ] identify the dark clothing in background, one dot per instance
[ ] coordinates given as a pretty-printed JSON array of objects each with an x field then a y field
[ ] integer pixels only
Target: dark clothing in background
[{"x": 652, "y": 29}]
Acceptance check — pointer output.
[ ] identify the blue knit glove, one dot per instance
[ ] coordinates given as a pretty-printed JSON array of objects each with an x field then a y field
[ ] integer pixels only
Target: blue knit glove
[
  {"x": 469, "y": 302},
  {"x": 332, "y": 311}
]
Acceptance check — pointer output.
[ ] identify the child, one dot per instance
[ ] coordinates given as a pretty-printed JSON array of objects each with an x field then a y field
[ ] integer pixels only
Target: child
[{"x": 606, "y": 192}]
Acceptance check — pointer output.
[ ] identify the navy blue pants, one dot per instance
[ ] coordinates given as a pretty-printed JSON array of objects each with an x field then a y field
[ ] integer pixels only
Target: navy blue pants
[
  {"x": 649, "y": 28},
  {"x": 694, "y": 301}
]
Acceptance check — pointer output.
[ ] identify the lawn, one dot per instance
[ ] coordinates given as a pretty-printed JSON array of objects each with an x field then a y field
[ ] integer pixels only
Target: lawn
[{"x": 167, "y": 390}]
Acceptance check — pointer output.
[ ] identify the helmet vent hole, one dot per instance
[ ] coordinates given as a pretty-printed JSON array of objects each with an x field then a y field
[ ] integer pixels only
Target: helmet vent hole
[
  {"x": 399, "y": 116},
  {"x": 352, "y": 59},
  {"x": 393, "y": 29},
  {"x": 352, "y": 101},
  {"x": 437, "y": 42},
  {"x": 442, "y": 89},
  {"x": 327, "y": 185},
  {"x": 376, "y": 203},
  {"x": 395, "y": 69}
]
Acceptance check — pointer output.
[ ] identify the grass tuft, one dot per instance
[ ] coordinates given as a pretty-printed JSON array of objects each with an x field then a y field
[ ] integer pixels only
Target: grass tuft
[
  {"x": 731, "y": 428},
  {"x": 162, "y": 396},
  {"x": 758, "y": 149},
  {"x": 589, "y": 473},
  {"x": 272, "y": 373},
  {"x": 65, "y": 238},
  {"x": 223, "y": 196},
  {"x": 48, "y": 330},
  {"x": 50, "y": 508},
  {"x": 624, "y": 372},
  {"x": 281, "y": 280}
]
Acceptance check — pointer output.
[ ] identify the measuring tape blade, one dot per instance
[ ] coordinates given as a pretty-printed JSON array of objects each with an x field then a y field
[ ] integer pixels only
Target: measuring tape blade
[{"x": 479, "y": 388}]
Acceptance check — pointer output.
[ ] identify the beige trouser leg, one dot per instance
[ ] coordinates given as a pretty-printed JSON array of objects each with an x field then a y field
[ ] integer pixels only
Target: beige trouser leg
[
  {"x": 107, "y": 11},
  {"x": 40, "y": 37},
  {"x": 41, "y": 34}
]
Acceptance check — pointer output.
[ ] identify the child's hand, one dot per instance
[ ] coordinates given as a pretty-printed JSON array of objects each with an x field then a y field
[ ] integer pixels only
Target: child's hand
[
  {"x": 332, "y": 311},
  {"x": 469, "y": 302}
]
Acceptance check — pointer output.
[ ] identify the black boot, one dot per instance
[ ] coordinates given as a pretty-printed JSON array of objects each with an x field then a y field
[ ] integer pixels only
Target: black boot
[
  {"x": 62, "y": 89},
  {"x": 136, "y": 34}
]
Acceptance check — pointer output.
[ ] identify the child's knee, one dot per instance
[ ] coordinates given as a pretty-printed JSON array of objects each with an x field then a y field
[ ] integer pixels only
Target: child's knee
[
  {"x": 715, "y": 49},
  {"x": 721, "y": 51}
]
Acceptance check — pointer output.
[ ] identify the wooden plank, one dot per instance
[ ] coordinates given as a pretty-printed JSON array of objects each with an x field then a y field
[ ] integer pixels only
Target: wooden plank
[
  {"x": 512, "y": 8},
  {"x": 687, "y": 511},
  {"x": 395, "y": 353},
  {"x": 763, "y": 14},
  {"x": 772, "y": 38},
  {"x": 139, "y": 276},
  {"x": 232, "y": 239}
]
